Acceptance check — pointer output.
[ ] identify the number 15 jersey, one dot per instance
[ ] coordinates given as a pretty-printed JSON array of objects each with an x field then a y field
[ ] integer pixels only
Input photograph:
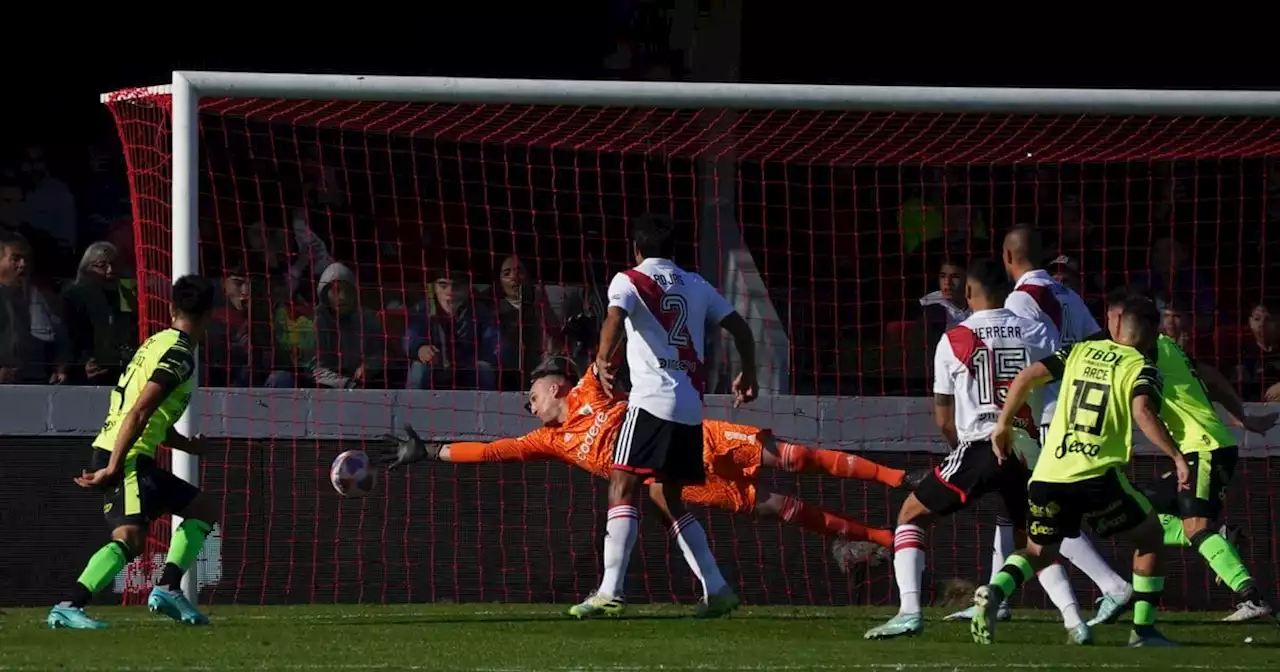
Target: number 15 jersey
[
  {"x": 976, "y": 361},
  {"x": 668, "y": 309}
]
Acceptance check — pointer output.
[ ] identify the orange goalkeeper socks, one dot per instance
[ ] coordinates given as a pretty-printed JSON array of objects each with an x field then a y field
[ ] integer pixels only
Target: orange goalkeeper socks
[
  {"x": 800, "y": 459},
  {"x": 831, "y": 524}
]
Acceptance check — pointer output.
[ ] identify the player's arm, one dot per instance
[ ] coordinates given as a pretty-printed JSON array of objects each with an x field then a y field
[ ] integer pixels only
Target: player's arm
[
  {"x": 1145, "y": 405},
  {"x": 524, "y": 449},
  {"x": 622, "y": 302},
  {"x": 1038, "y": 373},
  {"x": 174, "y": 368},
  {"x": 1220, "y": 391},
  {"x": 944, "y": 393},
  {"x": 721, "y": 312},
  {"x": 191, "y": 445}
]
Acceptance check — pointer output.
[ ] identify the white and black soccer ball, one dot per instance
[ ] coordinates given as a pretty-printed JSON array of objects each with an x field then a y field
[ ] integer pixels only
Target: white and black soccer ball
[{"x": 353, "y": 474}]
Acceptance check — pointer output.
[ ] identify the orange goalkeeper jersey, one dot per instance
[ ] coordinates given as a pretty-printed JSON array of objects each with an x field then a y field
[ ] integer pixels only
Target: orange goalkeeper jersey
[{"x": 731, "y": 452}]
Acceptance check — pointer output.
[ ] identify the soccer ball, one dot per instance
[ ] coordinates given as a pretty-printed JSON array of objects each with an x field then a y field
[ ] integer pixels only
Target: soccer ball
[{"x": 353, "y": 474}]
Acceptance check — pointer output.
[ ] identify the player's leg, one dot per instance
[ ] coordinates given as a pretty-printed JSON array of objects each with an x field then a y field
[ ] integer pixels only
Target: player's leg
[
  {"x": 798, "y": 459},
  {"x": 1052, "y": 518},
  {"x": 1130, "y": 514},
  {"x": 852, "y": 541},
  {"x": 1200, "y": 507},
  {"x": 908, "y": 555},
  {"x": 682, "y": 465},
  {"x": 1116, "y": 592},
  {"x": 1001, "y": 548},
  {"x": 199, "y": 511},
  {"x": 123, "y": 510}
]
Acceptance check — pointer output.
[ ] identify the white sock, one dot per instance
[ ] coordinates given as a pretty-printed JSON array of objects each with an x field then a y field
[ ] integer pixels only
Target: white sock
[
  {"x": 692, "y": 539},
  {"x": 1056, "y": 584},
  {"x": 620, "y": 538},
  {"x": 1002, "y": 547},
  {"x": 908, "y": 566},
  {"x": 1084, "y": 556}
]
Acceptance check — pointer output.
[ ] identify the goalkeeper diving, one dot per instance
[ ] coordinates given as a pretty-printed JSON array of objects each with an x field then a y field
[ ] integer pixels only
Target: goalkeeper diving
[{"x": 581, "y": 422}]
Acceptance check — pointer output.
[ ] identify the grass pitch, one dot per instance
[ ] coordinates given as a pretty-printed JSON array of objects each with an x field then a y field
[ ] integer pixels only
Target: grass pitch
[{"x": 525, "y": 638}]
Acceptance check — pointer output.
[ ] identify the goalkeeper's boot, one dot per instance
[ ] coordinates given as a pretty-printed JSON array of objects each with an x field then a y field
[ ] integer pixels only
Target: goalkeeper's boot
[
  {"x": 849, "y": 554},
  {"x": 1080, "y": 635},
  {"x": 1148, "y": 636},
  {"x": 598, "y": 605},
  {"x": 721, "y": 604},
  {"x": 902, "y": 625},
  {"x": 1004, "y": 613},
  {"x": 175, "y": 605},
  {"x": 1111, "y": 606},
  {"x": 66, "y": 616},
  {"x": 986, "y": 609}
]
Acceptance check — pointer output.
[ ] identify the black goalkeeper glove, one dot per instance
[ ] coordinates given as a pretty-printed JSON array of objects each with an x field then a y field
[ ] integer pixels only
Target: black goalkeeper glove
[{"x": 399, "y": 452}]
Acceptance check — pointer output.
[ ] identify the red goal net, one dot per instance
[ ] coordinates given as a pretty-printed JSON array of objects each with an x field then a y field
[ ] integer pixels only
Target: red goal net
[{"x": 485, "y": 232}]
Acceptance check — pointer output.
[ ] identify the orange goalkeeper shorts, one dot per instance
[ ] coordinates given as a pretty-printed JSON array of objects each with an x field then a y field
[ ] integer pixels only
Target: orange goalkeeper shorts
[{"x": 731, "y": 454}]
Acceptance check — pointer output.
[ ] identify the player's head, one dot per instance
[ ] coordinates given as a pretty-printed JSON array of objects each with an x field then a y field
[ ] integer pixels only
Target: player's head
[
  {"x": 192, "y": 303},
  {"x": 14, "y": 255},
  {"x": 986, "y": 284},
  {"x": 1022, "y": 250},
  {"x": 1139, "y": 324},
  {"x": 651, "y": 237},
  {"x": 951, "y": 278},
  {"x": 1115, "y": 304},
  {"x": 549, "y": 383}
]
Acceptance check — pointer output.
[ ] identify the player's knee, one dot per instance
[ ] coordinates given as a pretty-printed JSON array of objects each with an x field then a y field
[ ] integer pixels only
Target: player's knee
[
  {"x": 203, "y": 508},
  {"x": 1194, "y": 527},
  {"x": 1148, "y": 536},
  {"x": 131, "y": 538},
  {"x": 768, "y": 504},
  {"x": 622, "y": 488},
  {"x": 913, "y": 512}
]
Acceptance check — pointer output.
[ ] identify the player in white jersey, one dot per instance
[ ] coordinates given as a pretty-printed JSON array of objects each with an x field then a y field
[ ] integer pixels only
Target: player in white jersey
[
  {"x": 973, "y": 366},
  {"x": 1037, "y": 296},
  {"x": 664, "y": 310}
]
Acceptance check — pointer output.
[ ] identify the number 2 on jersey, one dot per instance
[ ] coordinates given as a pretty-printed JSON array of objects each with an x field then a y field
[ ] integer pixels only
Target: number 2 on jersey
[
  {"x": 995, "y": 370},
  {"x": 675, "y": 306}
]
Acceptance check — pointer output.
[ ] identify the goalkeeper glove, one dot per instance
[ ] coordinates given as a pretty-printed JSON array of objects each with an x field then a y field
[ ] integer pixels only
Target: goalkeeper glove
[{"x": 399, "y": 452}]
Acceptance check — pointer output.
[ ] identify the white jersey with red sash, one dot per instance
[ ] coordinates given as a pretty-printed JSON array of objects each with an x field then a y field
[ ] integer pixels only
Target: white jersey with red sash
[
  {"x": 977, "y": 361},
  {"x": 1037, "y": 296},
  {"x": 667, "y": 312}
]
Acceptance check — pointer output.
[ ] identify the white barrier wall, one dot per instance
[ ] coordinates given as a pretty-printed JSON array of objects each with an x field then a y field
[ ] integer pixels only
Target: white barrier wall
[{"x": 850, "y": 423}]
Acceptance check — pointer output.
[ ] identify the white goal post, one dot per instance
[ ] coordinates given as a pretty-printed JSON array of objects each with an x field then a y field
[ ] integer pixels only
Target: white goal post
[{"x": 187, "y": 88}]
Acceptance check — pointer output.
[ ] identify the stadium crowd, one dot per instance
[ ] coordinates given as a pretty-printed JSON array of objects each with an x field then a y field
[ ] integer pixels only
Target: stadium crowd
[{"x": 305, "y": 302}]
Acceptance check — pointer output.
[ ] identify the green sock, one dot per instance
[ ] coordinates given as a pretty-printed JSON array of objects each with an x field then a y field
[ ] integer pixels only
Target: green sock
[
  {"x": 1146, "y": 597},
  {"x": 1015, "y": 572},
  {"x": 103, "y": 566},
  {"x": 186, "y": 543},
  {"x": 1173, "y": 533},
  {"x": 1223, "y": 558}
]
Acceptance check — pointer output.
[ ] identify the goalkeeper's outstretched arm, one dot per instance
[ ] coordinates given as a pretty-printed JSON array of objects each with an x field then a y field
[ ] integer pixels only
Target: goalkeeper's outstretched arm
[{"x": 402, "y": 451}]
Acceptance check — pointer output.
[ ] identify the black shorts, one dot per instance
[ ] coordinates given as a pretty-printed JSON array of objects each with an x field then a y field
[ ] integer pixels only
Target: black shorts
[
  {"x": 1211, "y": 473},
  {"x": 968, "y": 473},
  {"x": 1108, "y": 503},
  {"x": 668, "y": 451},
  {"x": 145, "y": 493}
]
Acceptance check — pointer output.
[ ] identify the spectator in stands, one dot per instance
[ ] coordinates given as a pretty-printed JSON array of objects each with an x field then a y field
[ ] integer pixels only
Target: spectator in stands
[
  {"x": 240, "y": 342},
  {"x": 524, "y": 322},
  {"x": 33, "y": 344},
  {"x": 945, "y": 307},
  {"x": 452, "y": 340},
  {"x": 1172, "y": 274},
  {"x": 108, "y": 195},
  {"x": 1066, "y": 270},
  {"x": 50, "y": 206},
  {"x": 350, "y": 345},
  {"x": 102, "y": 327},
  {"x": 1259, "y": 369},
  {"x": 10, "y": 204}
]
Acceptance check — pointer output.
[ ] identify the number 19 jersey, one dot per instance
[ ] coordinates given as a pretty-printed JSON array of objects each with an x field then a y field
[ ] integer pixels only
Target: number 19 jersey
[
  {"x": 1092, "y": 429},
  {"x": 976, "y": 361},
  {"x": 667, "y": 312},
  {"x": 167, "y": 359}
]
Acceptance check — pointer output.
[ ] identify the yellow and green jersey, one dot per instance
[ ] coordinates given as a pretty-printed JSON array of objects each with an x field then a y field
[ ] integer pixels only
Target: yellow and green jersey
[
  {"x": 1192, "y": 420},
  {"x": 1092, "y": 429},
  {"x": 167, "y": 359}
]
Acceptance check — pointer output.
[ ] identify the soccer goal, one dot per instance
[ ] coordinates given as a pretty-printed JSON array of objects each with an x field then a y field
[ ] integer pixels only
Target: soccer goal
[{"x": 836, "y": 218}]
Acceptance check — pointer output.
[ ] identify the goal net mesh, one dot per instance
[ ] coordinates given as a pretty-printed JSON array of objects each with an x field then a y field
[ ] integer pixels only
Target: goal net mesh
[{"x": 830, "y": 230}]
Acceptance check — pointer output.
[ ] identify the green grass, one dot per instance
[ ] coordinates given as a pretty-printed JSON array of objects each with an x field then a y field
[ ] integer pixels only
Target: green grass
[{"x": 520, "y": 638}]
